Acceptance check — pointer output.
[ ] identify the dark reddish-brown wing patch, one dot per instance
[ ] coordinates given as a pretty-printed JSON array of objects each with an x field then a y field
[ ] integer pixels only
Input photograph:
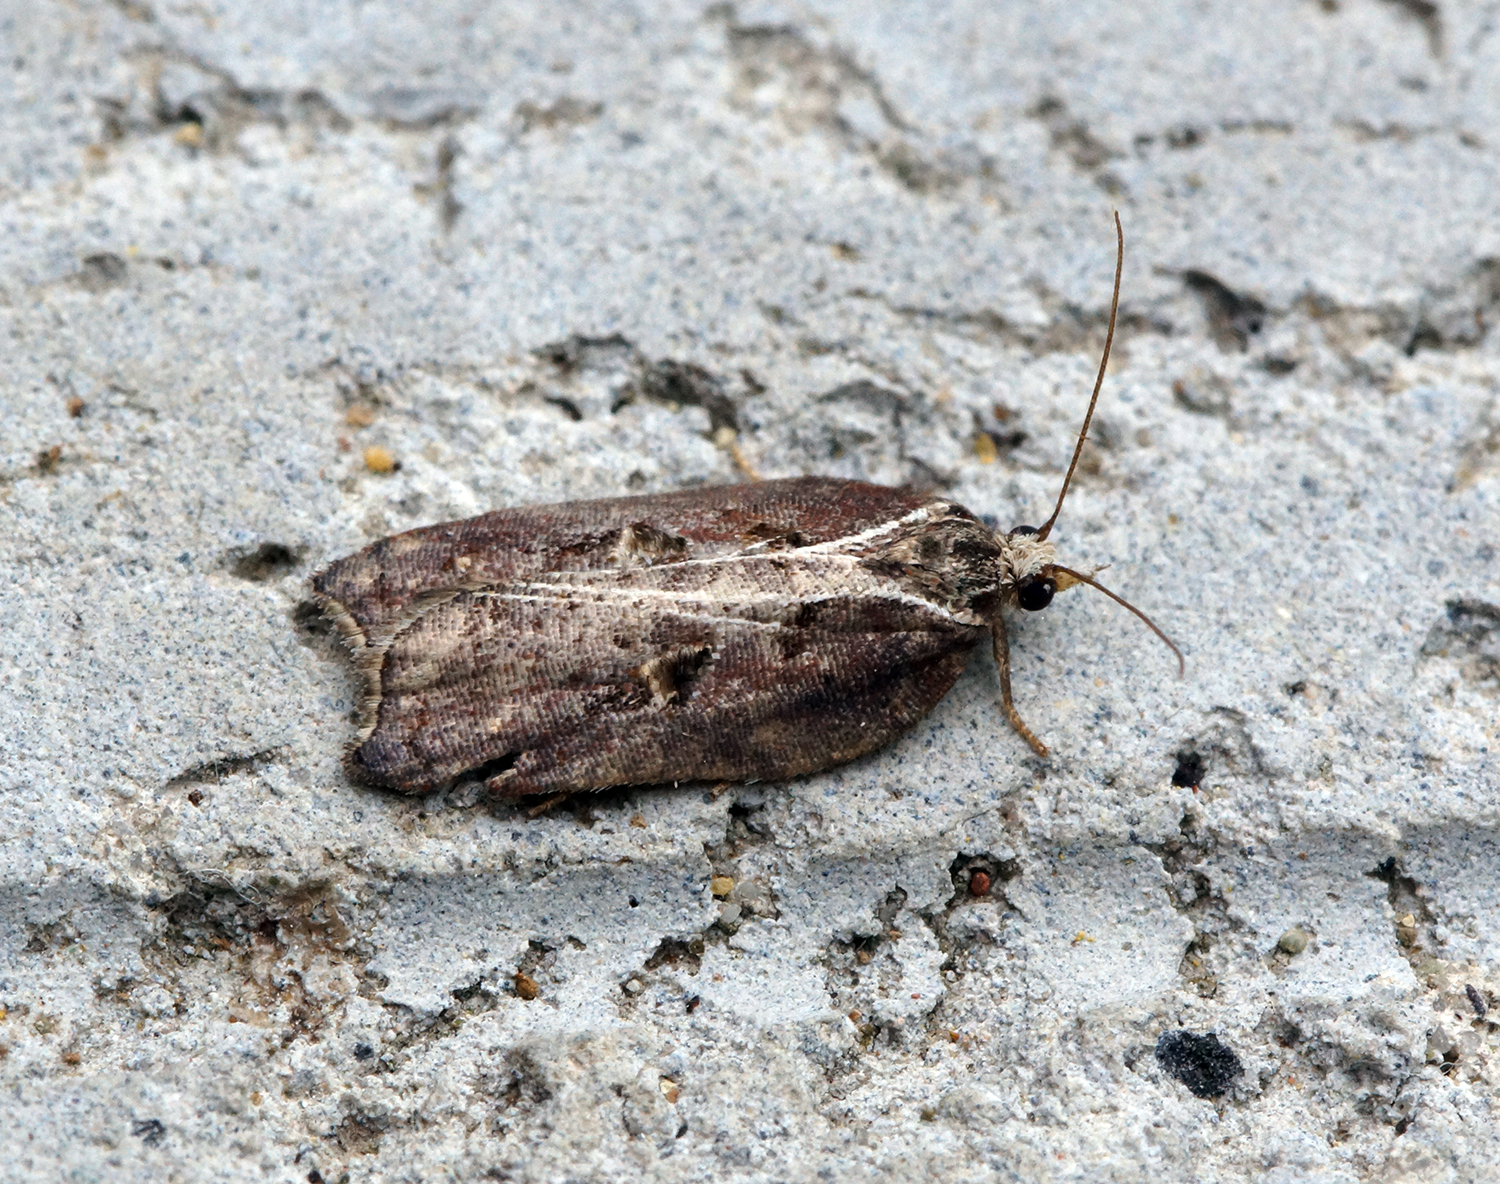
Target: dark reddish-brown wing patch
[
  {"x": 376, "y": 586},
  {"x": 536, "y": 698}
]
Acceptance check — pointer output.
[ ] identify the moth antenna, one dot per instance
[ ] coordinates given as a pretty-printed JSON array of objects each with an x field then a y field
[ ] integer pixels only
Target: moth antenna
[
  {"x": 1123, "y": 603},
  {"x": 1007, "y": 704},
  {"x": 1109, "y": 340}
]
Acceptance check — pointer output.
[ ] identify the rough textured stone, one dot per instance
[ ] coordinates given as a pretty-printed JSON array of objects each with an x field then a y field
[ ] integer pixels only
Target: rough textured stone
[{"x": 535, "y": 253}]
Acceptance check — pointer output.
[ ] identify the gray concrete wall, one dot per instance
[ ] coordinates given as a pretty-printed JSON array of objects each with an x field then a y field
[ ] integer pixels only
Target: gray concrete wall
[{"x": 244, "y": 246}]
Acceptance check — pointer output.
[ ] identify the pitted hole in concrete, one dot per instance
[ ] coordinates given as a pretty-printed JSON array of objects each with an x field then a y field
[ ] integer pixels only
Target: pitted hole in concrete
[
  {"x": 1204, "y": 393},
  {"x": 992, "y": 439},
  {"x": 1413, "y": 917},
  {"x": 1189, "y": 771},
  {"x": 589, "y": 353},
  {"x": 857, "y": 969},
  {"x": 149, "y": 1131},
  {"x": 269, "y": 561},
  {"x": 1072, "y": 136},
  {"x": 1286, "y": 1032},
  {"x": 750, "y": 896},
  {"x": 890, "y": 909},
  {"x": 473, "y": 991},
  {"x": 214, "y": 771},
  {"x": 47, "y": 460},
  {"x": 1223, "y": 745},
  {"x": 979, "y": 876},
  {"x": 1424, "y": 336},
  {"x": 978, "y": 879},
  {"x": 1192, "y": 893},
  {"x": 360, "y": 1133},
  {"x": 50, "y": 936},
  {"x": 690, "y": 385},
  {"x": 1203, "y": 1063},
  {"x": 310, "y": 622},
  {"x": 1233, "y": 318},
  {"x": 101, "y": 271},
  {"x": 522, "y": 1084},
  {"x": 1469, "y": 634},
  {"x": 567, "y": 111},
  {"x": 565, "y": 405},
  {"x": 677, "y": 954},
  {"x": 538, "y": 956},
  {"x": 209, "y": 935},
  {"x": 533, "y": 971}
]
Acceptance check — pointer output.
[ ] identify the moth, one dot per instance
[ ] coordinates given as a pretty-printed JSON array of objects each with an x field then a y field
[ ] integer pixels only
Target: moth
[{"x": 738, "y": 633}]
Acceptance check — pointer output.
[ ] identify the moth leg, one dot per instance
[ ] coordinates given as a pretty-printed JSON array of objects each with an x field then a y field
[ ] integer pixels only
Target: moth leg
[
  {"x": 1007, "y": 704},
  {"x": 538, "y": 810}
]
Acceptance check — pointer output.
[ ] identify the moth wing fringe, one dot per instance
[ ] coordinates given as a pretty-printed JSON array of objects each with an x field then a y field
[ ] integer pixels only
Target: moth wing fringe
[
  {"x": 335, "y": 610},
  {"x": 368, "y": 646}
]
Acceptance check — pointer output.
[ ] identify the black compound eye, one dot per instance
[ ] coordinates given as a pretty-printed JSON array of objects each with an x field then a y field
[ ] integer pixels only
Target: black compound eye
[
  {"x": 1036, "y": 594},
  {"x": 1015, "y": 530}
]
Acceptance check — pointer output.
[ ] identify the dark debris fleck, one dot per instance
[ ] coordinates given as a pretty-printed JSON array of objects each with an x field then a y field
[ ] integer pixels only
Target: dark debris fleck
[{"x": 1203, "y": 1063}]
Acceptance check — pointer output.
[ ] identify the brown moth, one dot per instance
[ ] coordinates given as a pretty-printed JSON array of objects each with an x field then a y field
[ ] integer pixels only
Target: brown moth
[{"x": 737, "y": 633}]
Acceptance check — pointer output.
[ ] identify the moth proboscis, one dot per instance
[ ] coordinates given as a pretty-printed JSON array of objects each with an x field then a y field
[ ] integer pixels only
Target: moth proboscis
[{"x": 734, "y": 633}]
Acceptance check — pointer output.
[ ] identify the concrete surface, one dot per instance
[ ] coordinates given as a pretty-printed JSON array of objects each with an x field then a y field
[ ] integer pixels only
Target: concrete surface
[{"x": 243, "y": 244}]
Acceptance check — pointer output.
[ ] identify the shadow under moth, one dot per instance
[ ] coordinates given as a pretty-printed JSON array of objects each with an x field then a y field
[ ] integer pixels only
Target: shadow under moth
[{"x": 736, "y": 633}]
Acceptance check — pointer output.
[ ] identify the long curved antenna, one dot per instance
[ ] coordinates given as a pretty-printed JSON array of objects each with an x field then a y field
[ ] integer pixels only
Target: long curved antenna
[
  {"x": 1109, "y": 340},
  {"x": 1123, "y": 603}
]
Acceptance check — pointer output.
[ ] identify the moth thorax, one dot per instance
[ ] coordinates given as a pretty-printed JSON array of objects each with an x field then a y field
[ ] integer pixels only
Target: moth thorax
[{"x": 1024, "y": 556}]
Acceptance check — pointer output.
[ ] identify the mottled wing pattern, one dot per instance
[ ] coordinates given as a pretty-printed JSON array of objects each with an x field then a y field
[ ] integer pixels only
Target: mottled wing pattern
[
  {"x": 375, "y": 588},
  {"x": 536, "y": 694},
  {"x": 779, "y": 629}
]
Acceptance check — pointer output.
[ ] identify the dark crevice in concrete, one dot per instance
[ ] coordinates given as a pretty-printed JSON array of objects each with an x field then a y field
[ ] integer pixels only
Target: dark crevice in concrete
[
  {"x": 440, "y": 190},
  {"x": 1415, "y": 932},
  {"x": 564, "y": 112},
  {"x": 1429, "y": 17},
  {"x": 210, "y": 772},
  {"x": 815, "y": 86},
  {"x": 1073, "y": 137},
  {"x": 1233, "y": 318},
  {"x": 1468, "y": 633},
  {"x": 690, "y": 385},
  {"x": 1070, "y": 329},
  {"x": 210, "y": 116},
  {"x": 266, "y": 562}
]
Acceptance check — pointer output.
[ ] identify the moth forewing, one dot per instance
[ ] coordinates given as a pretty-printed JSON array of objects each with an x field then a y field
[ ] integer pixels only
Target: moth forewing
[{"x": 797, "y": 625}]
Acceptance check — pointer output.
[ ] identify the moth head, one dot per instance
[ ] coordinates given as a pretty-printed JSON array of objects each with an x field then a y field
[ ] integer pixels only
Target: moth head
[
  {"x": 1031, "y": 568},
  {"x": 1034, "y": 577}
]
